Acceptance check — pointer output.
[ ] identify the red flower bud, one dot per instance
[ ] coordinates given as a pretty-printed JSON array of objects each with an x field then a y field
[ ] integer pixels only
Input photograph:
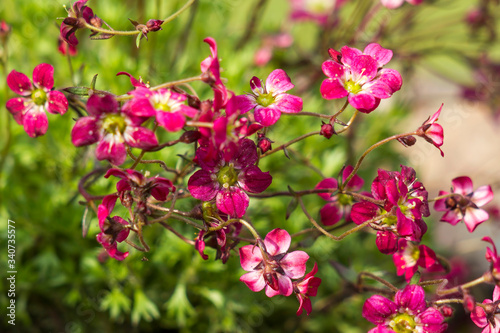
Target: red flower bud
[{"x": 327, "y": 130}]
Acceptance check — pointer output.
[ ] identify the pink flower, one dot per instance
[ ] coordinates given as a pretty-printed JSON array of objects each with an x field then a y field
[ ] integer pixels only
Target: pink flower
[
  {"x": 270, "y": 101},
  {"x": 407, "y": 313},
  {"x": 338, "y": 205},
  {"x": 78, "y": 15},
  {"x": 463, "y": 203},
  {"x": 271, "y": 267},
  {"x": 112, "y": 129},
  {"x": 359, "y": 76},
  {"x": 269, "y": 43},
  {"x": 489, "y": 320},
  {"x": 113, "y": 229},
  {"x": 314, "y": 10},
  {"x": 410, "y": 256},
  {"x": 165, "y": 104},
  {"x": 432, "y": 132},
  {"x": 392, "y": 4},
  {"x": 226, "y": 177},
  {"x": 494, "y": 260},
  {"x": 29, "y": 110},
  {"x": 305, "y": 288}
]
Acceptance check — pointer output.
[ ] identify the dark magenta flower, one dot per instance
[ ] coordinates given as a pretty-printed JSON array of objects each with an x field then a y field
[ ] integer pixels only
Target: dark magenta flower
[
  {"x": 488, "y": 318},
  {"x": 112, "y": 129},
  {"x": 226, "y": 177},
  {"x": 78, "y": 15},
  {"x": 29, "y": 110},
  {"x": 359, "y": 76},
  {"x": 272, "y": 267},
  {"x": 339, "y": 205},
  {"x": 463, "y": 203},
  {"x": 113, "y": 229},
  {"x": 407, "y": 313},
  {"x": 270, "y": 100},
  {"x": 305, "y": 288},
  {"x": 410, "y": 256},
  {"x": 432, "y": 132},
  {"x": 166, "y": 105}
]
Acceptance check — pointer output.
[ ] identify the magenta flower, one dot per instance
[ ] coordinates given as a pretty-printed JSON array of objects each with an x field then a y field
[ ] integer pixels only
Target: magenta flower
[
  {"x": 113, "y": 229},
  {"x": 314, "y": 10},
  {"x": 227, "y": 176},
  {"x": 494, "y": 260},
  {"x": 210, "y": 68},
  {"x": 305, "y": 288},
  {"x": 166, "y": 105},
  {"x": 269, "y": 101},
  {"x": 78, "y": 15},
  {"x": 404, "y": 198},
  {"x": 392, "y": 4},
  {"x": 410, "y": 256},
  {"x": 432, "y": 132},
  {"x": 488, "y": 318},
  {"x": 272, "y": 267},
  {"x": 407, "y": 313},
  {"x": 112, "y": 129},
  {"x": 338, "y": 205},
  {"x": 359, "y": 76},
  {"x": 463, "y": 203},
  {"x": 29, "y": 110}
]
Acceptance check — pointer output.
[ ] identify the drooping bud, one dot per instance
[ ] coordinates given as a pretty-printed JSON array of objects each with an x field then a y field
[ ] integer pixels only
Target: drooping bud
[
  {"x": 407, "y": 141},
  {"x": 387, "y": 242},
  {"x": 264, "y": 143},
  {"x": 154, "y": 25}
]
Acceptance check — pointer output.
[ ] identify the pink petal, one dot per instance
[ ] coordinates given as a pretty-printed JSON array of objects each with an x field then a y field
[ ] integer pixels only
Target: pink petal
[
  {"x": 288, "y": 103},
  {"x": 171, "y": 121},
  {"x": 232, "y": 201},
  {"x": 35, "y": 121},
  {"x": 333, "y": 89},
  {"x": 427, "y": 257},
  {"x": 141, "y": 107},
  {"x": 254, "y": 280},
  {"x": 356, "y": 182},
  {"x": 16, "y": 107},
  {"x": 392, "y": 4},
  {"x": 85, "y": 132},
  {"x": 411, "y": 297},
  {"x": 452, "y": 217},
  {"x": 330, "y": 214},
  {"x": 250, "y": 257},
  {"x": 110, "y": 148},
  {"x": 161, "y": 189},
  {"x": 43, "y": 76},
  {"x": 277, "y": 241},
  {"x": 440, "y": 205},
  {"x": 254, "y": 180},
  {"x": 327, "y": 183},
  {"x": 285, "y": 286},
  {"x": 202, "y": 186},
  {"x": 462, "y": 185},
  {"x": 57, "y": 102},
  {"x": 378, "y": 308},
  {"x": 381, "y": 55},
  {"x": 363, "y": 101},
  {"x": 140, "y": 137},
  {"x": 278, "y": 82},
  {"x": 482, "y": 195},
  {"x": 349, "y": 55},
  {"x": 474, "y": 217},
  {"x": 243, "y": 103},
  {"x": 363, "y": 211},
  {"x": 333, "y": 70},
  {"x": 267, "y": 116},
  {"x": 19, "y": 83},
  {"x": 364, "y": 66},
  {"x": 294, "y": 264},
  {"x": 246, "y": 155},
  {"x": 391, "y": 77},
  {"x": 97, "y": 105}
]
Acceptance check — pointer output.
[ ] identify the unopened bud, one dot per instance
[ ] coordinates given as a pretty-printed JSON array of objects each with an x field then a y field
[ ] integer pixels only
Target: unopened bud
[
  {"x": 154, "y": 25},
  {"x": 469, "y": 302},
  {"x": 387, "y": 242},
  {"x": 446, "y": 310},
  {"x": 5, "y": 31},
  {"x": 407, "y": 141},
  {"x": 327, "y": 130},
  {"x": 190, "y": 136},
  {"x": 263, "y": 143},
  {"x": 335, "y": 55}
]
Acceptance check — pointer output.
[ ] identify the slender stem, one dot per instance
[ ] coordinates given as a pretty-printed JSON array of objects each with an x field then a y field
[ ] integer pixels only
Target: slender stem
[
  {"x": 289, "y": 143},
  {"x": 376, "y": 278},
  {"x": 449, "y": 300},
  {"x": 81, "y": 185},
  {"x": 332, "y": 118},
  {"x": 345, "y": 234},
  {"x": 376, "y": 145},
  {"x": 467, "y": 285},
  {"x": 199, "y": 124},
  {"x": 252, "y": 23},
  {"x": 349, "y": 123},
  {"x": 177, "y": 13},
  {"x": 444, "y": 196},
  {"x": 306, "y": 113},
  {"x": 169, "y": 228}
]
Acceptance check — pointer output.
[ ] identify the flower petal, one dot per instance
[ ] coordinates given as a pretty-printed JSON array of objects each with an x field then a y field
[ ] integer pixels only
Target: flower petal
[
  {"x": 85, "y": 132},
  {"x": 35, "y": 121},
  {"x": 254, "y": 280},
  {"x": 267, "y": 116},
  {"x": 250, "y": 257},
  {"x": 57, "y": 102},
  {"x": 202, "y": 186},
  {"x": 19, "y": 83},
  {"x": 43, "y": 76},
  {"x": 288, "y": 103},
  {"x": 277, "y": 241},
  {"x": 232, "y": 201},
  {"x": 16, "y": 107},
  {"x": 253, "y": 180},
  {"x": 294, "y": 264},
  {"x": 278, "y": 82},
  {"x": 333, "y": 89},
  {"x": 482, "y": 195}
]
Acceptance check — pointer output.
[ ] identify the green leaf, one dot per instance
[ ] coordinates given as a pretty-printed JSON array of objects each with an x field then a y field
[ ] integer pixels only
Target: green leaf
[
  {"x": 80, "y": 91},
  {"x": 144, "y": 308},
  {"x": 116, "y": 302},
  {"x": 92, "y": 84},
  {"x": 138, "y": 40},
  {"x": 178, "y": 305}
]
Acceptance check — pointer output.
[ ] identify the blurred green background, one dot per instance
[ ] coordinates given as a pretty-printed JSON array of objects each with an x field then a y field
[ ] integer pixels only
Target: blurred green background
[{"x": 61, "y": 285}]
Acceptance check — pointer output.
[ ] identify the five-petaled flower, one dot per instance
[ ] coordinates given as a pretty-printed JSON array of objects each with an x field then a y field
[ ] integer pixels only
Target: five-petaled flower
[
  {"x": 78, "y": 16},
  {"x": 432, "y": 132},
  {"x": 227, "y": 176},
  {"x": 305, "y": 288},
  {"x": 29, "y": 110},
  {"x": 488, "y": 317},
  {"x": 270, "y": 100},
  {"x": 407, "y": 313},
  {"x": 112, "y": 129},
  {"x": 359, "y": 76},
  {"x": 463, "y": 203},
  {"x": 270, "y": 266},
  {"x": 410, "y": 256},
  {"x": 113, "y": 229}
]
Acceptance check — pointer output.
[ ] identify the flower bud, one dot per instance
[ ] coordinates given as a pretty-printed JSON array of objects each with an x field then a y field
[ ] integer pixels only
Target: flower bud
[
  {"x": 407, "y": 141},
  {"x": 327, "y": 130},
  {"x": 263, "y": 143},
  {"x": 190, "y": 136},
  {"x": 5, "y": 31},
  {"x": 387, "y": 242},
  {"x": 154, "y": 25}
]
